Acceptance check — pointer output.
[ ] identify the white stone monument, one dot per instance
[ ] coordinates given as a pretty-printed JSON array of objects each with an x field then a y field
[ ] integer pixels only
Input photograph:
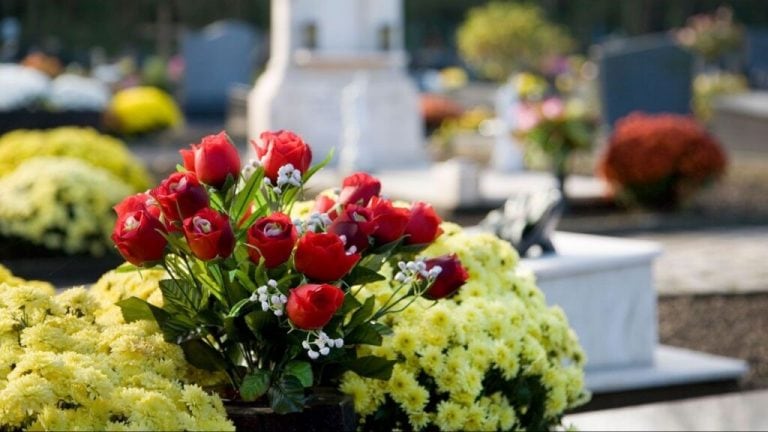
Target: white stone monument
[
  {"x": 507, "y": 155},
  {"x": 319, "y": 49}
]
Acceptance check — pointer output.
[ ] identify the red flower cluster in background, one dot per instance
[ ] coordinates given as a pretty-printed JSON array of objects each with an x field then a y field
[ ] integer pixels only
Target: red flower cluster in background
[{"x": 664, "y": 151}]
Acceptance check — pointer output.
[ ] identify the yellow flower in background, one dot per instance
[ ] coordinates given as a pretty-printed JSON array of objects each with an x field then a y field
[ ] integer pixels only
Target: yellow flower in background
[
  {"x": 102, "y": 151},
  {"x": 144, "y": 109},
  {"x": 529, "y": 85},
  {"x": 62, "y": 204},
  {"x": 453, "y": 78}
]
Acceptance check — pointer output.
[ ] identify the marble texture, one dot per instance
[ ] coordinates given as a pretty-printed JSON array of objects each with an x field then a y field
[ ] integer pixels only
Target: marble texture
[{"x": 732, "y": 412}]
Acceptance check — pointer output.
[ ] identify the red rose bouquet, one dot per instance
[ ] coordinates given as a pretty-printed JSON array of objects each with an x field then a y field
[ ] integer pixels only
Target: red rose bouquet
[{"x": 268, "y": 299}]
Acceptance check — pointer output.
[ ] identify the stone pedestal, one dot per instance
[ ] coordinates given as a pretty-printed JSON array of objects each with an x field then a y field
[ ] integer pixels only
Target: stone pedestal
[
  {"x": 605, "y": 286},
  {"x": 319, "y": 54}
]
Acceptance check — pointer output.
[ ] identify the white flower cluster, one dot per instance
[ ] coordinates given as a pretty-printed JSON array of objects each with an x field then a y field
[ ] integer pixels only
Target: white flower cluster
[
  {"x": 270, "y": 298},
  {"x": 322, "y": 344},
  {"x": 288, "y": 175},
  {"x": 411, "y": 270},
  {"x": 250, "y": 167},
  {"x": 316, "y": 222}
]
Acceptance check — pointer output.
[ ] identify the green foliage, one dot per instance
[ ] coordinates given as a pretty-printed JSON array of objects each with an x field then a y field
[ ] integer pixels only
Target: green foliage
[{"x": 502, "y": 38}]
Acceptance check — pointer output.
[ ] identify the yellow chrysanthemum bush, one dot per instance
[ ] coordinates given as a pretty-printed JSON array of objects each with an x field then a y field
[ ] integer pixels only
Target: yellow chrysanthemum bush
[
  {"x": 493, "y": 357},
  {"x": 61, "y": 368},
  {"x": 143, "y": 109},
  {"x": 102, "y": 151},
  {"x": 60, "y": 204}
]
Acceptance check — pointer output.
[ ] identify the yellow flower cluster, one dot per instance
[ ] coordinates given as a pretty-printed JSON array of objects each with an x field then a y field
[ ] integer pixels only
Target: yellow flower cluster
[
  {"x": 86, "y": 144},
  {"x": 61, "y": 204},
  {"x": 466, "y": 360},
  {"x": 115, "y": 286},
  {"x": 6, "y": 277},
  {"x": 61, "y": 368},
  {"x": 144, "y": 109}
]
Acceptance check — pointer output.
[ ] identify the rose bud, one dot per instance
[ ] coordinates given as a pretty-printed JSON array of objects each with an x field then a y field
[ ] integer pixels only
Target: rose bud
[
  {"x": 280, "y": 148},
  {"x": 180, "y": 196},
  {"x": 209, "y": 234},
  {"x": 451, "y": 277},
  {"x": 322, "y": 257},
  {"x": 390, "y": 220},
  {"x": 138, "y": 237},
  {"x": 272, "y": 238},
  {"x": 213, "y": 160},
  {"x": 355, "y": 224},
  {"x": 137, "y": 202},
  {"x": 424, "y": 225},
  {"x": 312, "y": 306},
  {"x": 359, "y": 188}
]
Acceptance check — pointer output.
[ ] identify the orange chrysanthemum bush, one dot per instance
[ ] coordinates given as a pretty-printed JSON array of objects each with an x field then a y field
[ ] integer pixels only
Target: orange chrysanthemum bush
[{"x": 659, "y": 160}]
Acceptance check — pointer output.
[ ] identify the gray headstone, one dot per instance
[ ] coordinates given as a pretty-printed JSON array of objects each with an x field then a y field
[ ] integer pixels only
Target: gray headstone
[
  {"x": 757, "y": 58},
  {"x": 223, "y": 54},
  {"x": 647, "y": 73}
]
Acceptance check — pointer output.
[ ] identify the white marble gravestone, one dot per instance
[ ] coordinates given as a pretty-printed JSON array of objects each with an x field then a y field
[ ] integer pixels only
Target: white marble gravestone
[
  {"x": 319, "y": 53},
  {"x": 507, "y": 155}
]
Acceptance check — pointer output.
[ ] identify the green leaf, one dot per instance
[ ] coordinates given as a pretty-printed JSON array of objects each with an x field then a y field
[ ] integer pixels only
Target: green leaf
[
  {"x": 301, "y": 370},
  {"x": 371, "y": 367},
  {"x": 287, "y": 395},
  {"x": 362, "y": 314},
  {"x": 382, "y": 329},
  {"x": 203, "y": 356},
  {"x": 182, "y": 296},
  {"x": 350, "y": 304},
  {"x": 244, "y": 198},
  {"x": 254, "y": 385},
  {"x": 136, "y": 309},
  {"x": 365, "y": 333},
  {"x": 240, "y": 308},
  {"x": 362, "y": 275}
]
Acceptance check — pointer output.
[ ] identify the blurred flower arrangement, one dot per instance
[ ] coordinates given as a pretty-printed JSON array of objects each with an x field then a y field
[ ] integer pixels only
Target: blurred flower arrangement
[
  {"x": 101, "y": 151},
  {"x": 61, "y": 205},
  {"x": 275, "y": 302},
  {"x": 143, "y": 109},
  {"x": 501, "y": 38},
  {"x": 28, "y": 88},
  {"x": 659, "y": 160},
  {"x": 494, "y": 357},
  {"x": 708, "y": 87},
  {"x": 63, "y": 368},
  {"x": 58, "y": 188},
  {"x": 711, "y": 35},
  {"x": 436, "y": 109},
  {"x": 443, "y": 139}
]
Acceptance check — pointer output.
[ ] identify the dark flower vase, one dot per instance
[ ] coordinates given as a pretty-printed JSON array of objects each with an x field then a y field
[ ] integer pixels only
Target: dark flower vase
[{"x": 324, "y": 411}]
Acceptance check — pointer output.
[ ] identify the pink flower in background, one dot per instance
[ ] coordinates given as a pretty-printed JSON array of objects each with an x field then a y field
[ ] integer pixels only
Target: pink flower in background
[
  {"x": 527, "y": 117},
  {"x": 552, "y": 108}
]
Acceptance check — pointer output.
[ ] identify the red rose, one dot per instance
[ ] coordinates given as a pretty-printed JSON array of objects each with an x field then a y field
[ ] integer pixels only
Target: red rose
[
  {"x": 322, "y": 257},
  {"x": 209, "y": 234},
  {"x": 356, "y": 224},
  {"x": 390, "y": 220},
  {"x": 424, "y": 225},
  {"x": 272, "y": 238},
  {"x": 325, "y": 204},
  {"x": 311, "y": 306},
  {"x": 180, "y": 196},
  {"x": 213, "y": 160},
  {"x": 138, "y": 237},
  {"x": 359, "y": 188},
  {"x": 137, "y": 202},
  {"x": 452, "y": 276},
  {"x": 280, "y": 148}
]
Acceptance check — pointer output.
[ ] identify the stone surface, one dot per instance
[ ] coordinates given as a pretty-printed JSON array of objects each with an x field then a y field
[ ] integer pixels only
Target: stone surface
[
  {"x": 712, "y": 261},
  {"x": 739, "y": 411},
  {"x": 605, "y": 287},
  {"x": 317, "y": 54},
  {"x": 739, "y": 121},
  {"x": 221, "y": 55},
  {"x": 646, "y": 73}
]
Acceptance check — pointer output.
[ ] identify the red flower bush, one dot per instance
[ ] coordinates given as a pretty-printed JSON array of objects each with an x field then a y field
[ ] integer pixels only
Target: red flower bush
[
  {"x": 180, "y": 195},
  {"x": 451, "y": 277},
  {"x": 272, "y": 238},
  {"x": 656, "y": 160},
  {"x": 209, "y": 234},
  {"x": 277, "y": 149},
  {"x": 322, "y": 257},
  {"x": 213, "y": 160},
  {"x": 424, "y": 225}
]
